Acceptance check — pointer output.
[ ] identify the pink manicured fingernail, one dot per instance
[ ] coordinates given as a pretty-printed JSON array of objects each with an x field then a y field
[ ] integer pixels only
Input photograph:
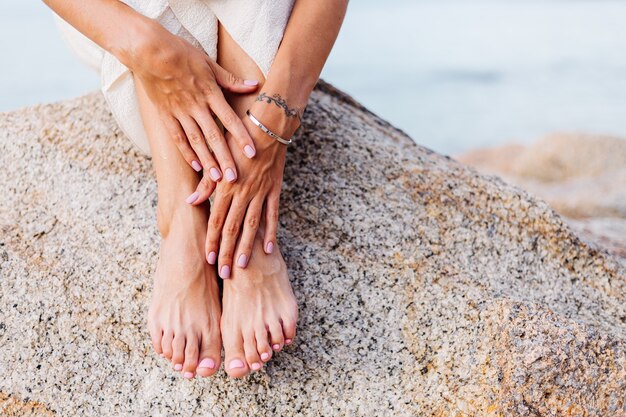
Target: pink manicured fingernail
[
  {"x": 288, "y": 341},
  {"x": 188, "y": 375},
  {"x": 249, "y": 151},
  {"x": 276, "y": 346},
  {"x": 211, "y": 258},
  {"x": 250, "y": 82},
  {"x": 178, "y": 367},
  {"x": 196, "y": 165},
  {"x": 236, "y": 363},
  {"x": 225, "y": 272},
  {"x": 265, "y": 356},
  {"x": 242, "y": 261},
  {"x": 215, "y": 174},
  {"x": 230, "y": 175},
  {"x": 269, "y": 248},
  {"x": 256, "y": 366},
  {"x": 207, "y": 363},
  {"x": 192, "y": 198}
]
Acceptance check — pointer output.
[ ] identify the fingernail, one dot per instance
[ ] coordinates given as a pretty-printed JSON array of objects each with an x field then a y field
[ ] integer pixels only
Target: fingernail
[
  {"x": 269, "y": 248},
  {"x": 196, "y": 165},
  {"x": 207, "y": 363},
  {"x": 188, "y": 375},
  {"x": 225, "y": 273},
  {"x": 236, "y": 363},
  {"x": 215, "y": 174},
  {"x": 242, "y": 261},
  {"x": 249, "y": 151},
  {"x": 211, "y": 258},
  {"x": 250, "y": 82},
  {"x": 230, "y": 175},
  {"x": 288, "y": 341},
  {"x": 192, "y": 198},
  {"x": 178, "y": 367},
  {"x": 256, "y": 366},
  {"x": 276, "y": 346},
  {"x": 265, "y": 356}
]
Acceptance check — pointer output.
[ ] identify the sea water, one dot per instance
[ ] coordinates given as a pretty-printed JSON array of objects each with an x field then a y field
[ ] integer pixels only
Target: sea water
[{"x": 454, "y": 75}]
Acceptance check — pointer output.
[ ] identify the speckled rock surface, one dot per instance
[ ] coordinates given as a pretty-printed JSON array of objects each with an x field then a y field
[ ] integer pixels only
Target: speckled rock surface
[{"x": 424, "y": 288}]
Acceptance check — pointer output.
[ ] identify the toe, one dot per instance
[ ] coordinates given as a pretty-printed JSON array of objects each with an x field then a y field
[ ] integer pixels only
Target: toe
[
  {"x": 289, "y": 330},
  {"x": 252, "y": 355},
  {"x": 210, "y": 353},
  {"x": 166, "y": 344},
  {"x": 156, "y": 334},
  {"x": 277, "y": 339},
  {"x": 192, "y": 349},
  {"x": 263, "y": 344},
  {"x": 178, "y": 346},
  {"x": 234, "y": 356}
]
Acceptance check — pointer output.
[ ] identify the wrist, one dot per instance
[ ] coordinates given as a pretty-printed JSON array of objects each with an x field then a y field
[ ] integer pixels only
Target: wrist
[{"x": 143, "y": 38}]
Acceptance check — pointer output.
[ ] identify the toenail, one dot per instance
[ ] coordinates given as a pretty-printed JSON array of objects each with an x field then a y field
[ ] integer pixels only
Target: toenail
[
  {"x": 265, "y": 356},
  {"x": 276, "y": 346},
  {"x": 242, "y": 261},
  {"x": 196, "y": 166},
  {"x": 207, "y": 363},
  {"x": 235, "y": 364},
  {"x": 178, "y": 367},
  {"x": 225, "y": 273},
  {"x": 192, "y": 198},
  {"x": 211, "y": 258},
  {"x": 288, "y": 341},
  {"x": 269, "y": 248},
  {"x": 161, "y": 355},
  {"x": 256, "y": 366},
  {"x": 188, "y": 375}
]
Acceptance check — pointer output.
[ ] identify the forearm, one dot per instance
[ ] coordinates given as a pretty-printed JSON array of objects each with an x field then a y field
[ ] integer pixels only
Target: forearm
[
  {"x": 309, "y": 37},
  {"x": 113, "y": 25}
]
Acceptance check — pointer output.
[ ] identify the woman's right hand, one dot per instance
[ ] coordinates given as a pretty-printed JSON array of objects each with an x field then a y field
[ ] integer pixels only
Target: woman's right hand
[{"x": 184, "y": 83}]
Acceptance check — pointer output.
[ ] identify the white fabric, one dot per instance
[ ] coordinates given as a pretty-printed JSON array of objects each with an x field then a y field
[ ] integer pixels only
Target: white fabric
[{"x": 256, "y": 25}]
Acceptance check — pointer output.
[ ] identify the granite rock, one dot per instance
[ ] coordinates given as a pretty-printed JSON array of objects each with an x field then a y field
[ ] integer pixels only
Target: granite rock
[{"x": 424, "y": 287}]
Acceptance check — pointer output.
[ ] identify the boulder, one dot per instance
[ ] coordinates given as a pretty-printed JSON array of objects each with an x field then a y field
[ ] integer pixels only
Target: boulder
[{"x": 424, "y": 287}]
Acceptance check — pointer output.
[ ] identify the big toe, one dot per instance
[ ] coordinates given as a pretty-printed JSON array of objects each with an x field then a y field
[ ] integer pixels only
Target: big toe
[{"x": 210, "y": 354}]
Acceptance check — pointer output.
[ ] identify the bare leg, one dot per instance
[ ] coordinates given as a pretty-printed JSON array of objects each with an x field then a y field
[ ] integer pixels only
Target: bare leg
[
  {"x": 184, "y": 313},
  {"x": 259, "y": 310}
]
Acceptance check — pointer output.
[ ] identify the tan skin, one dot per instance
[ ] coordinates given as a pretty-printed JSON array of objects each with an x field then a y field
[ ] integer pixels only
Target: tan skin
[{"x": 178, "y": 87}]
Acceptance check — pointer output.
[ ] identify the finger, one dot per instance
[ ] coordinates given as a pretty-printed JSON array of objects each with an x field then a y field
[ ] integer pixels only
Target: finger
[
  {"x": 271, "y": 222},
  {"x": 216, "y": 141},
  {"x": 250, "y": 227},
  {"x": 205, "y": 188},
  {"x": 231, "y": 82},
  {"x": 195, "y": 137},
  {"x": 230, "y": 232},
  {"x": 232, "y": 123},
  {"x": 219, "y": 210},
  {"x": 177, "y": 134}
]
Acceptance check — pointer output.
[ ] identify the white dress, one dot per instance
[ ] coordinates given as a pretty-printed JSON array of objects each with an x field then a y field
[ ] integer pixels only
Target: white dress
[{"x": 256, "y": 25}]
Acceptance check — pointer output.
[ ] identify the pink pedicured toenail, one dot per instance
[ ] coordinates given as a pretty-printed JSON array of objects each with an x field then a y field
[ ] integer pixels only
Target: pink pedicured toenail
[
  {"x": 207, "y": 363},
  {"x": 192, "y": 198},
  {"x": 225, "y": 272},
  {"x": 178, "y": 367},
  {"x": 265, "y": 356},
  {"x": 242, "y": 261},
  {"x": 196, "y": 166},
  {"x": 211, "y": 258},
  {"x": 236, "y": 364},
  {"x": 249, "y": 151},
  {"x": 269, "y": 248},
  {"x": 215, "y": 174},
  {"x": 276, "y": 346},
  {"x": 188, "y": 375},
  {"x": 161, "y": 355},
  {"x": 230, "y": 175},
  {"x": 256, "y": 366},
  {"x": 288, "y": 341}
]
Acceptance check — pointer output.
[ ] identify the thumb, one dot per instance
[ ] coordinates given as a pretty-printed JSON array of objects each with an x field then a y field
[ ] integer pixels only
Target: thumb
[{"x": 231, "y": 82}]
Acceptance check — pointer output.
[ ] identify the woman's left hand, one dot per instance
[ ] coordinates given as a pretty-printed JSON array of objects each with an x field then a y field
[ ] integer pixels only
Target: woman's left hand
[{"x": 240, "y": 207}]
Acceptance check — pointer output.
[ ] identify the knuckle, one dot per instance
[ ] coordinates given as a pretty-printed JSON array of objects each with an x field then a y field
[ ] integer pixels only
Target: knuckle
[
  {"x": 252, "y": 222},
  {"x": 215, "y": 222},
  {"x": 229, "y": 119},
  {"x": 194, "y": 138},
  {"x": 231, "y": 228},
  {"x": 208, "y": 89},
  {"x": 206, "y": 182},
  {"x": 213, "y": 137},
  {"x": 178, "y": 138}
]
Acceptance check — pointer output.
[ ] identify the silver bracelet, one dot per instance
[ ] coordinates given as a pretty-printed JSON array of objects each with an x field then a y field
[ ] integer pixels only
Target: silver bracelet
[{"x": 266, "y": 130}]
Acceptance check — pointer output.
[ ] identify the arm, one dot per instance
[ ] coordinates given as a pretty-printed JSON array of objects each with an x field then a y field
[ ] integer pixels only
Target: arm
[
  {"x": 181, "y": 80},
  {"x": 307, "y": 42}
]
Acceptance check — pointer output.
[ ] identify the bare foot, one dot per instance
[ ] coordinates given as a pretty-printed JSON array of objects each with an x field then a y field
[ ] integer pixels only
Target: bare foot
[
  {"x": 259, "y": 312},
  {"x": 184, "y": 315}
]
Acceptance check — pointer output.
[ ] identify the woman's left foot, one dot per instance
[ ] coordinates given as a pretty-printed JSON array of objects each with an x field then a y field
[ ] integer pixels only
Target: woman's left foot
[{"x": 259, "y": 312}]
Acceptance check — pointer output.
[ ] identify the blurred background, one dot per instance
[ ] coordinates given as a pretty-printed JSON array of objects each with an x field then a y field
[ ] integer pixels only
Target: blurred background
[{"x": 455, "y": 75}]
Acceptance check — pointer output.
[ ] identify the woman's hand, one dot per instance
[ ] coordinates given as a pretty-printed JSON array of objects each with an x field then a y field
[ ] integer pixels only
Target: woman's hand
[{"x": 184, "y": 83}]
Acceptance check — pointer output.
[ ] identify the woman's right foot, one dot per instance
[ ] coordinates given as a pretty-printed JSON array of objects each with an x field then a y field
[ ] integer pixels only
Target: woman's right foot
[{"x": 184, "y": 316}]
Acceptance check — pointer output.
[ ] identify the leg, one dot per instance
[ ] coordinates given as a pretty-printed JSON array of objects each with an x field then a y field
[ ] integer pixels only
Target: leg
[
  {"x": 259, "y": 309},
  {"x": 185, "y": 309}
]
